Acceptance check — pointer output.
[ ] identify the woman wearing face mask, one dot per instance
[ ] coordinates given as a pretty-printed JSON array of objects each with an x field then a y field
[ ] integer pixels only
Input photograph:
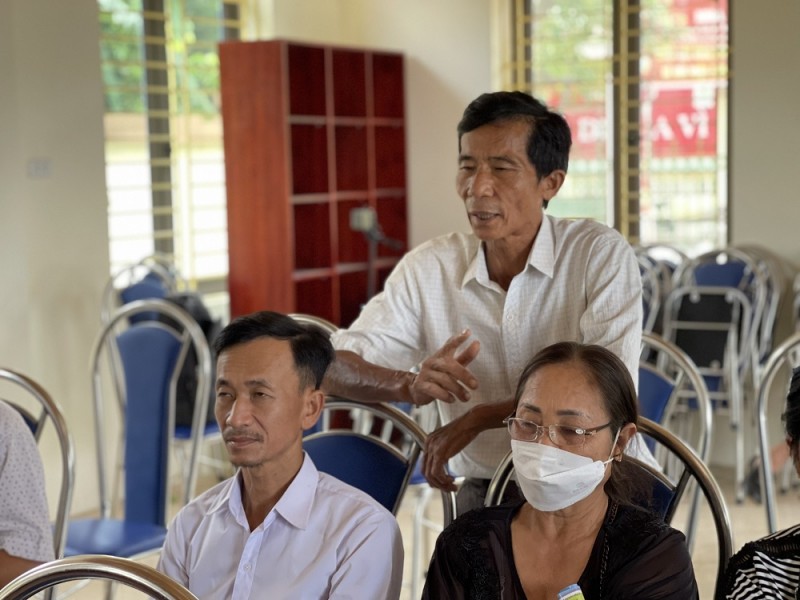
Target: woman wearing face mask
[{"x": 575, "y": 412}]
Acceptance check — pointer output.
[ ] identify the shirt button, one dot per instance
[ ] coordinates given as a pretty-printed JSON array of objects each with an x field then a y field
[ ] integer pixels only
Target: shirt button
[
  {"x": 247, "y": 567},
  {"x": 509, "y": 318}
]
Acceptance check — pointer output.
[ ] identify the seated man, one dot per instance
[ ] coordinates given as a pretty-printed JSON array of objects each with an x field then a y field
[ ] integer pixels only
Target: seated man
[
  {"x": 279, "y": 528},
  {"x": 26, "y": 539}
]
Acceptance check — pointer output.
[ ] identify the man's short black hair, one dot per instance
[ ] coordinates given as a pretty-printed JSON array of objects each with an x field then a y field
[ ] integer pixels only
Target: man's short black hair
[
  {"x": 311, "y": 347},
  {"x": 550, "y": 138}
]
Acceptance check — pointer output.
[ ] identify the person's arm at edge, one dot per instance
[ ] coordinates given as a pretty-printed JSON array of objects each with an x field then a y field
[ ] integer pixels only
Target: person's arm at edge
[
  {"x": 444, "y": 375},
  {"x": 12, "y": 566},
  {"x": 352, "y": 377}
]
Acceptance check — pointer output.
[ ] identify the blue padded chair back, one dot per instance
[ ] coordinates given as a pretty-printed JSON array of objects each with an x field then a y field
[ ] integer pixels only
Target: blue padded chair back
[
  {"x": 148, "y": 288},
  {"x": 729, "y": 274},
  {"x": 360, "y": 461},
  {"x": 655, "y": 391},
  {"x": 148, "y": 355}
]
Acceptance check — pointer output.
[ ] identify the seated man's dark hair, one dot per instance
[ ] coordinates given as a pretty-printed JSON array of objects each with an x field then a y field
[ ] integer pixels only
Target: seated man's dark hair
[{"x": 311, "y": 348}]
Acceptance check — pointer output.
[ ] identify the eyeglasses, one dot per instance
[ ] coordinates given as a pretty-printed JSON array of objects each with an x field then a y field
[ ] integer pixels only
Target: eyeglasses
[{"x": 561, "y": 435}]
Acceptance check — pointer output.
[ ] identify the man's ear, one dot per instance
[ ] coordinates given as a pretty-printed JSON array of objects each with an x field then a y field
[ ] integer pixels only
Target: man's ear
[
  {"x": 314, "y": 402},
  {"x": 550, "y": 184}
]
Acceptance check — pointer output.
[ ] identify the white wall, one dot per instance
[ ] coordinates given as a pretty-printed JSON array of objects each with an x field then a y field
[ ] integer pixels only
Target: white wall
[
  {"x": 53, "y": 241},
  {"x": 766, "y": 126}
]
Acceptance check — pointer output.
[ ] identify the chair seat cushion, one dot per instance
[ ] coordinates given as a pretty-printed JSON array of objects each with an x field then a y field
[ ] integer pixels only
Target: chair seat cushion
[{"x": 114, "y": 537}]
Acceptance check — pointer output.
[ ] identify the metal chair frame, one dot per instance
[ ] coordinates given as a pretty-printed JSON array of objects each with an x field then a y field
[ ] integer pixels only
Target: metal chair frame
[
  {"x": 50, "y": 410},
  {"x": 413, "y": 443},
  {"x": 785, "y": 355},
  {"x": 132, "y": 574},
  {"x": 188, "y": 333}
]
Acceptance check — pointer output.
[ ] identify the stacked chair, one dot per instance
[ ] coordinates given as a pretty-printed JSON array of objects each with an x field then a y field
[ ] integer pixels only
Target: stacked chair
[
  {"x": 147, "y": 355},
  {"x": 713, "y": 313}
]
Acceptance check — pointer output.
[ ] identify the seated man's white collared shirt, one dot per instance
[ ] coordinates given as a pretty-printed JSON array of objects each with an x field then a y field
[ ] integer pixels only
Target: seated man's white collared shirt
[{"x": 323, "y": 539}]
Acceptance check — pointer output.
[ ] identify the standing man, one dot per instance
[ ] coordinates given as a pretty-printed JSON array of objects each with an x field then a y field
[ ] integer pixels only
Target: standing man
[
  {"x": 472, "y": 309},
  {"x": 279, "y": 528}
]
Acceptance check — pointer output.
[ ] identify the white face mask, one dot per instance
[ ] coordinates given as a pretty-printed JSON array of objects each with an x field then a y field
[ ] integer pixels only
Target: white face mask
[{"x": 553, "y": 479}]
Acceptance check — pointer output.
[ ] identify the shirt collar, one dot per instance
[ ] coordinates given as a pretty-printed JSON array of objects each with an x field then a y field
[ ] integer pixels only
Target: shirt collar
[
  {"x": 297, "y": 501},
  {"x": 294, "y": 506},
  {"x": 541, "y": 257}
]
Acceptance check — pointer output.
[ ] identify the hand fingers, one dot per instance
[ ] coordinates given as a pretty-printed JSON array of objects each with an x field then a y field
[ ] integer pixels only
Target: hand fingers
[
  {"x": 469, "y": 353},
  {"x": 450, "y": 346},
  {"x": 435, "y": 472},
  {"x": 440, "y": 385}
]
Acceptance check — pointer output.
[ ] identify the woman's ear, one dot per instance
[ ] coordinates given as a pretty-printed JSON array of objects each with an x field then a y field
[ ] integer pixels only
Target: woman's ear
[
  {"x": 314, "y": 402},
  {"x": 625, "y": 435}
]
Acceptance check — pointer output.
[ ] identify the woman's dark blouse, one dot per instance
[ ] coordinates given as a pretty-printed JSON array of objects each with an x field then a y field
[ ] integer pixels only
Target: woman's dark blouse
[{"x": 644, "y": 558}]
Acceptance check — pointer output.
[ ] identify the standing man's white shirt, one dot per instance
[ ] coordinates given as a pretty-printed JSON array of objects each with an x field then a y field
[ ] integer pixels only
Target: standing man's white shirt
[
  {"x": 323, "y": 539},
  {"x": 581, "y": 283}
]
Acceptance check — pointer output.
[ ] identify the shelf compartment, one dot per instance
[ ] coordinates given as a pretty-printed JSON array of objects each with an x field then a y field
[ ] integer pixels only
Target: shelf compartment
[
  {"x": 392, "y": 218},
  {"x": 390, "y": 169},
  {"x": 387, "y": 82},
  {"x": 312, "y": 236},
  {"x": 352, "y": 244},
  {"x": 309, "y": 159},
  {"x": 351, "y": 158},
  {"x": 315, "y": 297},
  {"x": 353, "y": 294},
  {"x": 306, "y": 80},
  {"x": 349, "y": 83}
]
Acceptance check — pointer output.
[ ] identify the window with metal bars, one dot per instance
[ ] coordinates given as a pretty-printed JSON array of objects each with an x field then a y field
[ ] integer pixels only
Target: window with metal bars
[
  {"x": 644, "y": 86},
  {"x": 165, "y": 172}
]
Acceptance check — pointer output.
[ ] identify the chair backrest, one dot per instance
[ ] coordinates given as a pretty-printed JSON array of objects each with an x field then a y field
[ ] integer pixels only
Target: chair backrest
[
  {"x": 144, "y": 280},
  {"x": 379, "y": 466},
  {"x": 130, "y": 573},
  {"x": 731, "y": 269},
  {"x": 666, "y": 493},
  {"x": 651, "y": 291},
  {"x": 305, "y": 319},
  {"x": 148, "y": 356},
  {"x": 670, "y": 384},
  {"x": 774, "y": 382},
  {"x": 46, "y": 409}
]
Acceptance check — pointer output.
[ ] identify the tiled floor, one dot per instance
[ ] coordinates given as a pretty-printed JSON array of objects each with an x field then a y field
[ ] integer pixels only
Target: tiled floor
[{"x": 748, "y": 520}]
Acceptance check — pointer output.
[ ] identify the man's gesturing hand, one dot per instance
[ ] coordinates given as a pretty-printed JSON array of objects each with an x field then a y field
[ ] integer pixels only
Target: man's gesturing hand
[{"x": 444, "y": 375}]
